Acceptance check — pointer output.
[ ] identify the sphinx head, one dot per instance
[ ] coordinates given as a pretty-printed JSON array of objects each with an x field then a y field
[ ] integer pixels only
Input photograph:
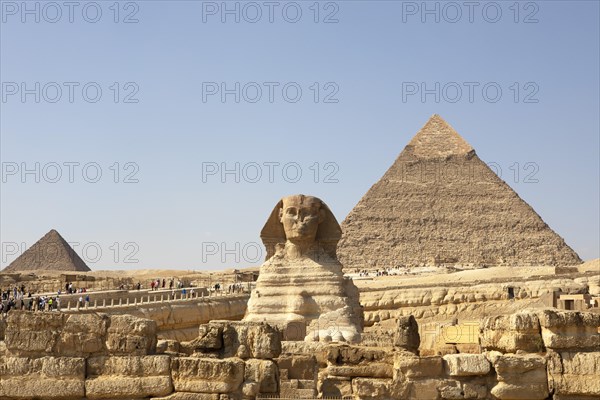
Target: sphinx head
[
  {"x": 301, "y": 220},
  {"x": 300, "y": 216}
]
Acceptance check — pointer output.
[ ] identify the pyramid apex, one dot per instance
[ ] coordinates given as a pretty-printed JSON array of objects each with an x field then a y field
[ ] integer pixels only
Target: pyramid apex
[{"x": 437, "y": 139}]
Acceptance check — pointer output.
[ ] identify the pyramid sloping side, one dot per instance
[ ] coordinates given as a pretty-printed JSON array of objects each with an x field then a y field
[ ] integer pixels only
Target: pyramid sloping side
[
  {"x": 51, "y": 252},
  {"x": 448, "y": 210}
]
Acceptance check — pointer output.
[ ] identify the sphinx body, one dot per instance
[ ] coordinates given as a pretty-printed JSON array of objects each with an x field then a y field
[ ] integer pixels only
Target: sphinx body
[{"x": 302, "y": 280}]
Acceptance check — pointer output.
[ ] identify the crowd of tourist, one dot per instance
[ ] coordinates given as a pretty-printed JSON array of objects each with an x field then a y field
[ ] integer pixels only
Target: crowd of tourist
[
  {"x": 378, "y": 272},
  {"x": 20, "y": 299},
  {"x": 235, "y": 288}
]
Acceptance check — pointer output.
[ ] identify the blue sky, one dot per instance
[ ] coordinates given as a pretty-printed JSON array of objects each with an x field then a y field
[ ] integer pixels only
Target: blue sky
[{"x": 141, "y": 103}]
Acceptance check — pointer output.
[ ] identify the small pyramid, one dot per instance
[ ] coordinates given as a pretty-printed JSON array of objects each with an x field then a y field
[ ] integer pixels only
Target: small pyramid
[
  {"x": 51, "y": 252},
  {"x": 440, "y": 204}
]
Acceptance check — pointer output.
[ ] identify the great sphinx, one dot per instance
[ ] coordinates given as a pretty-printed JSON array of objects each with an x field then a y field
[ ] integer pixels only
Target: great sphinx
[{"x": 301, "y": 282}]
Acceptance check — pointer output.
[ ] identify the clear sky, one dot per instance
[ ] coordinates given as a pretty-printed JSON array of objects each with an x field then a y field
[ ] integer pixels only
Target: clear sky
[{"x": 173, "y": 93}]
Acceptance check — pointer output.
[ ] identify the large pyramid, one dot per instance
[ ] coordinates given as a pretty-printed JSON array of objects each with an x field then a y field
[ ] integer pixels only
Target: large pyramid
[
  {"x": 439, "y": 204},
  {"x": 51, "y": 252}
]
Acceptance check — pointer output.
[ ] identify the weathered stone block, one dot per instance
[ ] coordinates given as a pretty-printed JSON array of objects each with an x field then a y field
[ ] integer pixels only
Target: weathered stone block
[
  {"x": 509, "y": 333},
  {"x": 207, "y": 375},
  {"x": 575, "y": 374},
  {"x": 128, "y": 377},
  {"x": 210, "y": 337},
  {"x": 407, "y": 333},
  {"x": 335, "y": 387},
  {"x": 466, "y": 364},
  {"x": 369, "y": 388},
  {"x": 260, "y": 376},
  {"x": 426, "y": 389},
  {"x": 299, "y": 366},
  {"x": 521, "y": 377},
  {"x": 250, "y": 339},
  {"x": 474, "y": 390},
  {"x": 190, "y": 396},
  {"x": 410, "y": 366},
  {"x": 570, "y": 330},
  {"x": 46, "y": 377},
  {"x": 83, "y": 335},
  {"x": 33, "y": 334},
  {"x": 451, "y": 389},
  {"x": 167, "y": 347},
  {"x": 129, "y": 335},
  {"x": 371, "y": 370}
]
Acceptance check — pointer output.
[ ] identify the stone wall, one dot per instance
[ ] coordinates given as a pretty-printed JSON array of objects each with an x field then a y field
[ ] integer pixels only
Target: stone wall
[
  {"x": 442, "y": 302},
  {"x": 536, "y": 354},
  {"x": 179, "y": 319}
]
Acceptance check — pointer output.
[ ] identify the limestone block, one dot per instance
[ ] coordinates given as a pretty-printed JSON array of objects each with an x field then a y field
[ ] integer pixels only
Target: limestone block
[
  {"x": 466, "y": 364},
  {"x": 335, "y": 386},
  {"x": 451, "y": 389},
  {"x": 83, "y": 335},
  {"x": 358, "y": 355},
  {"x": 129, "y": 376},
  {"x": 509, "y": 333},
  {"x": 426, "y": 389},
  {"x": 299, "y": 366},
  {"x": 45, "y": 377},
  {"x": 207, "y": 375},
  {"x": 575, "y": 374},
  {"x": 407, "y": 333},
  {"x": 371, "y": 370},
  {"x": 250, "y": 340},
  {"x": 521, "y": 377},
  {"x": 566, "y": 330},
  {"x": 369, "y": 388},
  {"x": 33, "y": 334},
  {"x": 167, "y": 347},
  {"x": 210, "y": 337},
  {"x": 129, "y": 335},
  {"x": 189, "y": 396},
  {"x": 474, "y": 390},
  {"x": 260, "y": 376},
  {"x": 40, "y": 334},
  {"x": 410, "y": 366}
]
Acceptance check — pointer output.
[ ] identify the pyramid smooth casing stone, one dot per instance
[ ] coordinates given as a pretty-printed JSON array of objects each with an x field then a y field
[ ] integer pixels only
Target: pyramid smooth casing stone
[{"x": 440, "y": 204}]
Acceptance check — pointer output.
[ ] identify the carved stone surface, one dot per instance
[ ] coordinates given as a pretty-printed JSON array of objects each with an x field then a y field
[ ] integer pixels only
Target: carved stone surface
[{"x": 302, "y": 281}]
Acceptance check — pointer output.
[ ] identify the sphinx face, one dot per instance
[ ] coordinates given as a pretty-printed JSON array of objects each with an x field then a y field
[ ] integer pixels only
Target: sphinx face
[{"x": 300, "y": 221}]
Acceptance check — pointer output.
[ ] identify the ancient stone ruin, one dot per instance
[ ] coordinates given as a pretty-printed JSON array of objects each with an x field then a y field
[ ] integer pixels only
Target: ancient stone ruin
[
  {"x": 51, "y": 252},
  {"x": 440, "y": 204},
  {"x": 545, "y": 354},
  {"x": 301, "y": 286},
  {"x": 304, "y": 330}
]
